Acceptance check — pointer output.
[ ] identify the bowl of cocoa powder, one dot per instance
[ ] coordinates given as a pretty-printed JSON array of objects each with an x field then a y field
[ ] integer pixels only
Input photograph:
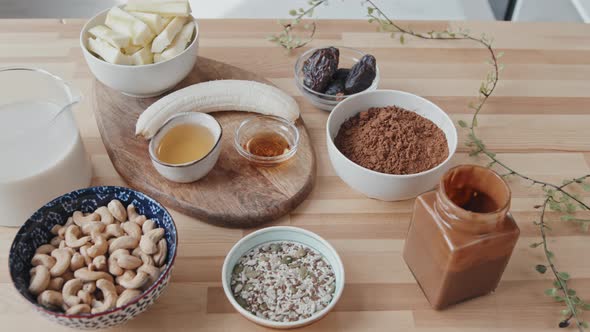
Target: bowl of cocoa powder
[{"x": 390, "y": 145}]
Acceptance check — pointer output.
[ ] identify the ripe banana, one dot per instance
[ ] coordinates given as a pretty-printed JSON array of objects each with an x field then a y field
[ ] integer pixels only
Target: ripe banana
[
  {"x": 178, "y": 45},
  {"x": 162, "y": 7},
  {"x": 114, "y": 38},
  {"x": 108, "y": 52},
  {"x": 221, "y": 95},
  {"x": 129, "y": 25},
  {"x": 167, "y": 35}
]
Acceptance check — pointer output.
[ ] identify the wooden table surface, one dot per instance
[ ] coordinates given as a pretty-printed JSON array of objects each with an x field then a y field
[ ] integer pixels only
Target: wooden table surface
[{"x": 538, "y": 121}]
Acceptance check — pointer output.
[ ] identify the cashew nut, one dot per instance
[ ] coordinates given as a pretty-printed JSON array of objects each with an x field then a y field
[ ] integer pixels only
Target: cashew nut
[
  {"x": 89, "y": 286},
  {"x": 128, "y": 262},
  {"x": 132, "y": 212},
  {"x": 109, "y": 294},
  {"x": 145, "y": 258},
  {"x": 50, "y": 299},
  {"x": 62, "y": 261},
  {"x": 127, "y": 296},
  {"x": 72, "y": 240},
  {"x": 55, "y": 242},
  {"x": 45, "y": 249},
  {"x": 80, "y": 219},
  {"x": 62, "y": 231},
  {"x": 85, "y": 296},
  {"x": 92, "y": 228},
  {"x": 99, "y": 263},
  {"x": 140, "y": 220},
  {"x": 105, "y": 215},
  {"x": 132, "y": 229},
  {"x": 160, "y": 256},
  {"x": 55, "y": 229},
  {"x": 81, "y": 308},
  {"x": 152, "y": 271},
  {"x": 148, "y": 243},
  {"x": 70, "y": 291},
  {"x": 147, "y": 226},
  {"x": 117, "y": 210},
  {"x": 69, "y": 222},
  {"x": 123, "y": 242},
  {"x": 40, "y": 278},
  {"x": 114, "y": 267},
  {"x": 86, "y": 275},
  {"x": 56, "y": 284},
  {"x": 100, "y": 247},
  {"x": 77, "y": 261},
  {"x": 84, "y": 253},
  {"x": 68, "y": 275},
  {"x": 138, "y": 281},
  {"x": 114, "y": 230},
  {"x": 43, "y": 259}
]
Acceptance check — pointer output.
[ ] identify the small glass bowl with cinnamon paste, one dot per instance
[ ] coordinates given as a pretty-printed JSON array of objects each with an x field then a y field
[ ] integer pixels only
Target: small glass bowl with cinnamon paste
[{"x": 266, "y": 140}]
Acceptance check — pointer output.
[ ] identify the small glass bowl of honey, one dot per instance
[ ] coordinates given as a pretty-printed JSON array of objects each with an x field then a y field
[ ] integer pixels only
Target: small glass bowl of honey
[{"x": 267, "y": 140}]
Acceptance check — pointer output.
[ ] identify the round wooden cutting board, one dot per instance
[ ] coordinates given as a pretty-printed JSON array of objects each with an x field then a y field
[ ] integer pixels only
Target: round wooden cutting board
[{"x": 235, "y": 193}]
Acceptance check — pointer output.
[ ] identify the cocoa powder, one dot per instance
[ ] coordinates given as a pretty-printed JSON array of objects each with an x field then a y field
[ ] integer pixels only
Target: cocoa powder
[{"x": 392, "y": 140}]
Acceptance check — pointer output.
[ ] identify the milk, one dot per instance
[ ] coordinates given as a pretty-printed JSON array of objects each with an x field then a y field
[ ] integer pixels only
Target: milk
[{"x": 42, "y": 157}]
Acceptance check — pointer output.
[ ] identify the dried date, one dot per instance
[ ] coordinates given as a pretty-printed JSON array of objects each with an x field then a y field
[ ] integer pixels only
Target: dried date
[
  {"x": 361, "y": 75},
  {"x": 319, "y": 68},
  {"x": 341, "y": 74},
  {"x": 335, "y": 88}
]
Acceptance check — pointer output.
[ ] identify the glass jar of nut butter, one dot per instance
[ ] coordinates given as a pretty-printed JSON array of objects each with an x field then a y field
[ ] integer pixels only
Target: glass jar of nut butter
[{"x": 461, "y": 236}]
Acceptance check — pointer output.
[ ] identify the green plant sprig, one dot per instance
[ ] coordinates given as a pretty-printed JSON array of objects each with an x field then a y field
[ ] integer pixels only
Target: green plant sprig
[
  {"x": 556, "y": 197},
  {"x": 287, "y": 37}
]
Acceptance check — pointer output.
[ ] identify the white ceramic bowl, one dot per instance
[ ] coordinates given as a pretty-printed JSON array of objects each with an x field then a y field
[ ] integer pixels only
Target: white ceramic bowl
[
  {"x": 282, "y": 233},
  {"x": 144, "y": 80},
  {"x": 194, "y": 170},
  {"x": 388, "y": 187}
]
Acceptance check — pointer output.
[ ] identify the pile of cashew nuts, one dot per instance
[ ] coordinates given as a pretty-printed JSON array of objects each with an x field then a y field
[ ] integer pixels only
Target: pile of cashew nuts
[{"x": 98, "y": 261}]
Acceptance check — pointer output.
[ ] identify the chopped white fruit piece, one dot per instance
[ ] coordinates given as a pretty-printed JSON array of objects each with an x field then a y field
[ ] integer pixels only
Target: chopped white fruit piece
[
  {"x": 156, "y": 22},
  {"x": 162, "y": 7},
  {"x": 143, "y": 57},
  {"x": 166, "y": 37},
  {"x": 114, "y": 38},
  {"x": 127, "y": 24},
  {"x": 178, "y": 45},
  {"x": 131, "y": 49},
  {"x": 108, "y": 52}
]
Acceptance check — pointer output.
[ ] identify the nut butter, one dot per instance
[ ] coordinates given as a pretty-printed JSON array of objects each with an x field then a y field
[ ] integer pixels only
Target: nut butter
[{"x": 461, "y": 236}]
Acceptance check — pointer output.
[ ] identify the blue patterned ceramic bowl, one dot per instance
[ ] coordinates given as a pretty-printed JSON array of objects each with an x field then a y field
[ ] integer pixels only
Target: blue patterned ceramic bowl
[{"x": 36, "y": 231}]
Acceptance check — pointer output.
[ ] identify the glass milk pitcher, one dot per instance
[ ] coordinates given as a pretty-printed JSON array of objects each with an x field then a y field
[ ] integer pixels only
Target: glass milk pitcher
[{"x": 41, "y": 153}]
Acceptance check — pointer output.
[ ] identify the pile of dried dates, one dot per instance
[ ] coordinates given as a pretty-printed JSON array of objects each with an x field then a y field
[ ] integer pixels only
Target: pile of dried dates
[{"x": 321, "y": 73}]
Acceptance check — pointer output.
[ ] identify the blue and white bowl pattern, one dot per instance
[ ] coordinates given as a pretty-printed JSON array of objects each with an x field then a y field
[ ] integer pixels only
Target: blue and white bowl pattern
[{"x": 36, "y": 231}]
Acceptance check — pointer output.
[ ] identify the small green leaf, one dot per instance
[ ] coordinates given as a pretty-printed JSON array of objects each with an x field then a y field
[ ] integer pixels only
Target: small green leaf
[
  {"x": 402, "y": 40},
  {"x": 499, "y": 55},
  {"x": 571, "y": 292},
  {"x": 535, "y": 245},
  {"x": 586, "y": 306},
  {"x": 293, "y": 12},
  {"x": 474, "y": 123},
  {"x": 584, "y": 324},
  {"x": 567, "y": 217},
  {"x": 558, "y": 298},
  {"x": 541, "y": 268},
  {"x": 550, "y": 254},
  {"x": 565, "y": 312},
  {"x": 586, "y": 186},
  {"x": 556, "y": 283},
  {"x": 563, "y": 275},
  {"x": 370, "y": 10},
  {"x": 551, "y": 291},
  {"x": 462, "y": 124}
]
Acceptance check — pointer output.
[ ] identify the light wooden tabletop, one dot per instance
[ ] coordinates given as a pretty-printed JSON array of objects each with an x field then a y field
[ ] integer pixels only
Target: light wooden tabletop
[{"x": 538, "y": 121}]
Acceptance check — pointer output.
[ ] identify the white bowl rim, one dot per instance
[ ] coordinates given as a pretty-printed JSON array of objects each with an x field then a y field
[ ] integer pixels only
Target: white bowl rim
[
  {"x": 327, "y": 97},
  {"x": 397, "y": 176},
  {"x": 86, "y": 27},
  {"x": 168, "y": 122},
  {"x": 266, "y": 322}
]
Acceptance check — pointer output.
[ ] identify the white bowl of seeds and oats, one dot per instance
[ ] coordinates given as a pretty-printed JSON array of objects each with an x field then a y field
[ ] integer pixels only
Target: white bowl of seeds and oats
[{"x": 283, "y": 277}]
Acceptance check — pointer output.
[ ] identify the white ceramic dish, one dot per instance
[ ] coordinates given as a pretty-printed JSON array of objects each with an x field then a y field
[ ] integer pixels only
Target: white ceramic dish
[
  {"x": 144, "y": 80},
  {"x": 388, "y": 187},
  {"x": 282, "y": 233},
  {"x": 194, "y": 170}
]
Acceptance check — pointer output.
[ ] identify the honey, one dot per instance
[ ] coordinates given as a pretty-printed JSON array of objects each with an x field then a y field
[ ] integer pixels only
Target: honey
[
  {"x": 185, "y": 143},
  {"x": 267, "y": 144}
]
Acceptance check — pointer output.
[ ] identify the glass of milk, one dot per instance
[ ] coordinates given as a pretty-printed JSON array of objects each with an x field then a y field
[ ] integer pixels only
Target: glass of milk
[{"x": 42, "y": 156}]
